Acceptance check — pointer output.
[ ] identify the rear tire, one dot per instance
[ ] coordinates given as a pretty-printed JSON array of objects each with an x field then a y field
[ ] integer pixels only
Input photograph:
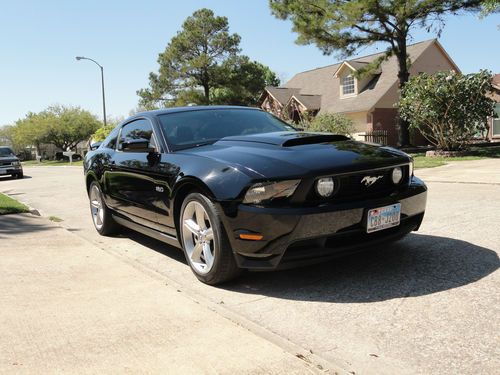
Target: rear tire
[
  {"x": 204, "y": 241},
  {"x": 101, "y": 214}
]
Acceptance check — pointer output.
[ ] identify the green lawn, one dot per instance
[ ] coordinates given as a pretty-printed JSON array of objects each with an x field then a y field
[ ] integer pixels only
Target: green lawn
[
  {"x": 11, "y": 206},
  {"x": 46, "y": 163},
  {"x": 476, "y": 153}
]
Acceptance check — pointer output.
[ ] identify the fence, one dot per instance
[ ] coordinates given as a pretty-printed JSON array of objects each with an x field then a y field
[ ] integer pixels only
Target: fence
[{"x": 376, "y": 136}]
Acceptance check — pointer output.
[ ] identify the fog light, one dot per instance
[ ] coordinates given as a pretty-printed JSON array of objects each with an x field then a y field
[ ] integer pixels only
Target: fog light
[
  {"x": 397, "y": 175},
  {"x": 325, "y": 187}
]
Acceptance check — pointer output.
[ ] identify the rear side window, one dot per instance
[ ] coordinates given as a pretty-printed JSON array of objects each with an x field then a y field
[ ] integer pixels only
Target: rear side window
[
  {"x": 110, "y": 141},
  {"x": 138, "y": 129}
]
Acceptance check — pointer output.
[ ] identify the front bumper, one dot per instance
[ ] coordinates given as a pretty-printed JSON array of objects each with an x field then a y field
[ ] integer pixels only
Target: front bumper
[
  {"x": 11, "y": 170},
  {"x": 293, "y": 236}
]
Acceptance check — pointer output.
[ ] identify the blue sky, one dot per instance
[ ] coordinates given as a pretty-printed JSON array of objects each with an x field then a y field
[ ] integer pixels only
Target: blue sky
[{"x": 40, "y": 39}]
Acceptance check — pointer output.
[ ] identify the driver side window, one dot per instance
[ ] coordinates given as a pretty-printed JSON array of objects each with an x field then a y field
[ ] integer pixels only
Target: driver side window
[{"x": 138, "y": 129}]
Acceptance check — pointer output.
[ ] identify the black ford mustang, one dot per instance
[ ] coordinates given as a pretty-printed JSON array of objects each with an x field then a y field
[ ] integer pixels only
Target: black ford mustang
[{"x": 237, "y": 188}]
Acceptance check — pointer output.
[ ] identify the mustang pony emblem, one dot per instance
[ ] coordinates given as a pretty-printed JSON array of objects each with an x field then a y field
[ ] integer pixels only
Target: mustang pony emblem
[{"x": 370, "y": 180}]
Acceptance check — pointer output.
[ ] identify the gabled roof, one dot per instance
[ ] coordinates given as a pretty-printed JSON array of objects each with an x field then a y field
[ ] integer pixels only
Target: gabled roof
[
  {"x": 281, "y": 94},
  {"x": 354, "y": 65},
  {"x": 310, "y": 102},
  {"x": 495, "y": 81},
  {"x": 322, "y": 82}
]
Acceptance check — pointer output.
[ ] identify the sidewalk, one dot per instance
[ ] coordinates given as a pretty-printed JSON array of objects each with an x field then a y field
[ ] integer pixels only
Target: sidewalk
[
  {"x": 69, "y": 307},
  {"x": 484, "y": 171}
]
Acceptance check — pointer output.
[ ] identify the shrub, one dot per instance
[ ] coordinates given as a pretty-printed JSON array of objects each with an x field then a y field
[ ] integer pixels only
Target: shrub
[
  {"x": 101, "y": 133},
  {"x": 448, "y": 109},
  {"x": 331, "y": 123}
]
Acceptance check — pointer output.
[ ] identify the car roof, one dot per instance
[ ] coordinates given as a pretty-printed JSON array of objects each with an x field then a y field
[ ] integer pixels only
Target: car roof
[{"x": 165, "y": 111}]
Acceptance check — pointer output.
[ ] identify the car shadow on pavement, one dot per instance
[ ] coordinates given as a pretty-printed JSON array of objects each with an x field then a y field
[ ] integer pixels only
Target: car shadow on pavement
[
  {"x": 20, "y": 223},
  {"x": 8, "y": 178},
  {"x": 158, "y": 246},
  {"x": 416, "y": 266}
]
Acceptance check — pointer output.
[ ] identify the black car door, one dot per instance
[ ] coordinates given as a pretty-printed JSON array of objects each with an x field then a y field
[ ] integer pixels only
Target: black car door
[{"x": 133, "y": 180}]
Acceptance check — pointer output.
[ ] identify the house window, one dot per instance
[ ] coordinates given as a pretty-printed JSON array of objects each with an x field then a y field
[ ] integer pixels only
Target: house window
[{"x": 348, "y": 85}]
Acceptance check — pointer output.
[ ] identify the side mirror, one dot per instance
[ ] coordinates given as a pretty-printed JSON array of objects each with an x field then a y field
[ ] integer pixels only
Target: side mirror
[
  {"x": 94, "y": 146},
  {"x": 136, "y": 145}
]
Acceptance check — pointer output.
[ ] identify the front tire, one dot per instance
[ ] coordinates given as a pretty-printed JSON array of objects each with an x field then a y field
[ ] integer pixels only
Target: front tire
[
  {"x": 205, "y": 242},
  {"x": 101, "y": 214}
]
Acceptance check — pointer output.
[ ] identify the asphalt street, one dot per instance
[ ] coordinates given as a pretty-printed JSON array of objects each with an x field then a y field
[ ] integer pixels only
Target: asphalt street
[{"x": 429, "y": 304}]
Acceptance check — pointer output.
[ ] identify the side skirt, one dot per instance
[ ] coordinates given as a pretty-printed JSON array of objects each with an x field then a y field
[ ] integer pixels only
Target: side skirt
[{"x": 148, "y": 231}]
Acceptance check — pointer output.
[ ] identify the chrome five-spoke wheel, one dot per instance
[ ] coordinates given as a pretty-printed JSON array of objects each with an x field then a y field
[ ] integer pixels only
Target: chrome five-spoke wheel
[
  {"x": 96, "y": 207},
  {"x": 101, "y": 215},
  {"x": 198, "y": 237}
]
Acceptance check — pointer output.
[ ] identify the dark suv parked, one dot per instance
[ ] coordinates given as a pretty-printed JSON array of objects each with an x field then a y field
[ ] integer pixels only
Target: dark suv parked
[{"x": 10, "y": 163}]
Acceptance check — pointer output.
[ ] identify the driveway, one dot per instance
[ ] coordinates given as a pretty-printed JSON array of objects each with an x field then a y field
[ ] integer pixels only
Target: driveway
[{"x": 428, "y": 304}]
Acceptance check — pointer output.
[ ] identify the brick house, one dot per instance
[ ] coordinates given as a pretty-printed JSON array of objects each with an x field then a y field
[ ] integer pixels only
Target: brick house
[
  {"x": 369, "y": 101},
  {"x": 494, "y": 122}
]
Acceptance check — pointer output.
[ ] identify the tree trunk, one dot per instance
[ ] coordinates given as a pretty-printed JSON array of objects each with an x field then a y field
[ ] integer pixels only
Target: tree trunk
[
  {"x": 403, "y": 76},
  {"x": 206, "y": 89}
]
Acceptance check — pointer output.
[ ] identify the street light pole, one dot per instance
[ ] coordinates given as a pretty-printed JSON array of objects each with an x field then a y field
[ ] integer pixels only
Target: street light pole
[{"x": 78, "y": 58}]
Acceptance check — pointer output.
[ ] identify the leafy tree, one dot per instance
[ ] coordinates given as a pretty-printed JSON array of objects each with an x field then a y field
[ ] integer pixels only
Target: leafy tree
[
  {"x": 7, "y": 135},
  {"x": 193, "y": 58},
  {"x": 348, "y": 26},
  {"x": 202, "y": 65},
  {"x": 61, "y": 126},
  {"x": 448, "y": 109},
  {"x": 332, "y": 123},
  {"x": 31, "y": 131},
  {"x": 101, "y": 133},
  {"x": 68, "y": 126},
  {"x": 244, "y": 82},
  {"x": 490, "y": 6}
]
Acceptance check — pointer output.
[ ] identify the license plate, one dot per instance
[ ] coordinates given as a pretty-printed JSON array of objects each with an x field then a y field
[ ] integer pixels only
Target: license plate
[
  {"x": 383, "y": 217},
  {"x": 3, "y": 171}
]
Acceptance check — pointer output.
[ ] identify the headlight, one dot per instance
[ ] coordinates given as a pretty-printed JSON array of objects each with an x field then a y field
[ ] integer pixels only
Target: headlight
[
  {"x": 325, "y": 187},
  {"x": 397, "y": 175},
  {"x": 270, "y": 190},
  {"x": 16, "y": 163}
]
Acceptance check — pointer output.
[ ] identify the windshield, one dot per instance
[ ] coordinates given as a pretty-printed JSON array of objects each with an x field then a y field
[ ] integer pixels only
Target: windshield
[
  {"x": 5, "y": 151},
  {"x": 198, "y": 127}
]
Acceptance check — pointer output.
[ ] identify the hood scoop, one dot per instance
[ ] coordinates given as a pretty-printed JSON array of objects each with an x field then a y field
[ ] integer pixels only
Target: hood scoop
[
  {"x": 312, "y": 138},
  {"x": 287, "y": 139}
]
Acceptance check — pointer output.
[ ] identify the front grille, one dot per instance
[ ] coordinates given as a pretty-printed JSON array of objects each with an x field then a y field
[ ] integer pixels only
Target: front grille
[
  {"x": 352, "y": 187},
  {"x": 344, "y": 242},
  {"x": 5, "y": 164}
]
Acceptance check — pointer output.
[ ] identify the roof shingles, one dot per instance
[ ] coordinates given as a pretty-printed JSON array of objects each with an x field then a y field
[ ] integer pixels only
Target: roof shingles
[{"x": 321, "y": 90}]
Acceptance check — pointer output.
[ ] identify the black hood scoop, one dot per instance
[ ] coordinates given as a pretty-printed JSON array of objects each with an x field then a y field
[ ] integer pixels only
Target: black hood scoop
[
  {"x": 287, "y": 139},
  {"x": 311, "y": 138}
]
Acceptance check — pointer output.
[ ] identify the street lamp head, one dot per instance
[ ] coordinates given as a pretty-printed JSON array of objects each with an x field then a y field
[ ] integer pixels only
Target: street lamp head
[{"x": 79, "y": 57}]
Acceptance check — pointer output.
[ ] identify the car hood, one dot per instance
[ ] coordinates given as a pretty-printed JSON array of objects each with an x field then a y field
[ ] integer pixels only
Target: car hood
[{"x": 298, "y": 154}]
